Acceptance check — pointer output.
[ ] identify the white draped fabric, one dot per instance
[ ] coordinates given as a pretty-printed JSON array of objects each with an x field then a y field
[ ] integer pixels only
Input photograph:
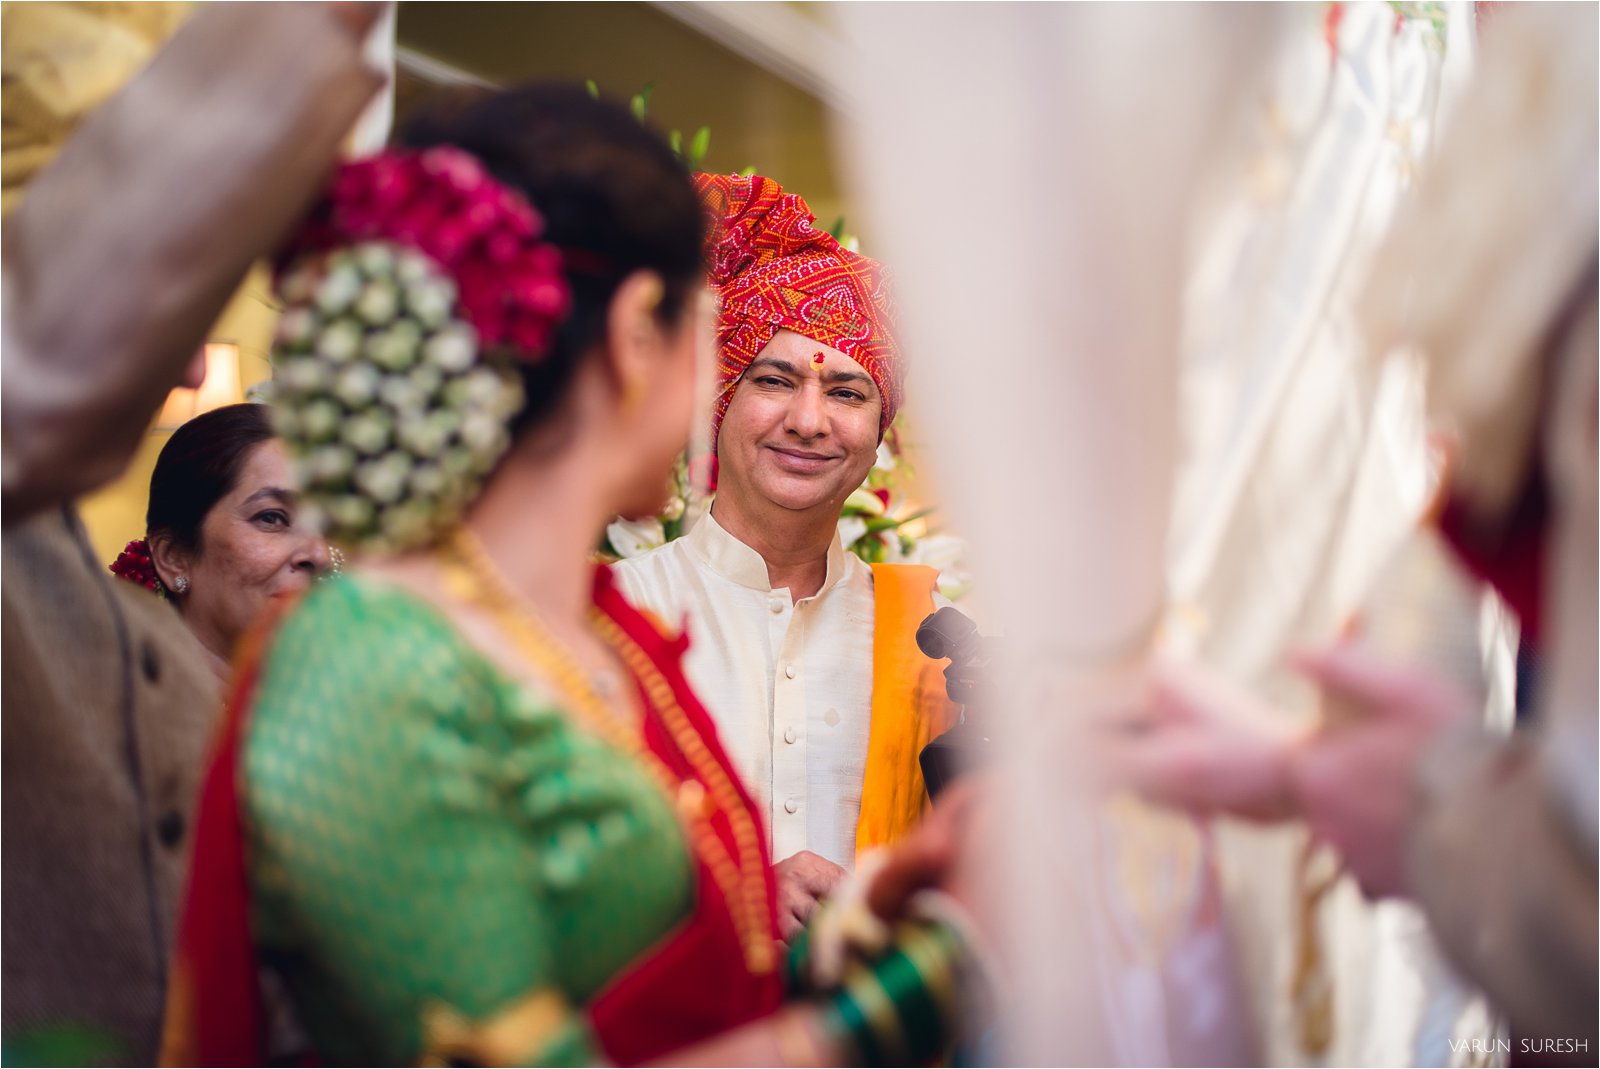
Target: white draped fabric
[
  {"x": 1037, "y": 218},
  {"x": 1129, "y": 222}
]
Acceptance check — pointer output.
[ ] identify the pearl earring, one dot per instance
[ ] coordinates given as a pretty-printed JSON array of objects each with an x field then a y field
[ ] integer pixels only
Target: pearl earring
[{"x": 181, "y": 584}]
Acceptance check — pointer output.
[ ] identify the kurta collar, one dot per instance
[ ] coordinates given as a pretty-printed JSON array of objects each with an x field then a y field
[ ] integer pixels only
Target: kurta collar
[{"x": 738, "y": 563}]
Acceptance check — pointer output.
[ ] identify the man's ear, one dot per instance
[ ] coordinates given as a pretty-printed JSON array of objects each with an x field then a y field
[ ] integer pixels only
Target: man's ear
[
  {"x": 633, "y": 332},
  {"x": 169, "y": 560}
]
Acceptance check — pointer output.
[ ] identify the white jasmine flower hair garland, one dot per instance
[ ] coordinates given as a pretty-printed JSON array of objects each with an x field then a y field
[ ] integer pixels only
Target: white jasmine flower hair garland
[{"x": 409, "y": 298}]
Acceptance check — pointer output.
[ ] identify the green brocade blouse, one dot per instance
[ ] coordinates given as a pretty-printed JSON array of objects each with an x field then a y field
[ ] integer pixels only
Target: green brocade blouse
[{"x": 424, "y": 832}]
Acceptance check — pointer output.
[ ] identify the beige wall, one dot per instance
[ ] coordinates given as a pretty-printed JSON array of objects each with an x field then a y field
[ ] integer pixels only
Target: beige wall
[
  {"x": 115, "y": 515},
  {"x": 756, "y": 118}
]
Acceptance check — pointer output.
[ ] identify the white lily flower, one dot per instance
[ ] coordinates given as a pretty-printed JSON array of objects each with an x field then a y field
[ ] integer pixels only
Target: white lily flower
[
  {"x": 332, "y": 464},
  {"x": 484, "y": 459},
  {"x": 314, "y": 516},
  {"x": 452, "y": 349},
  {"x": 851, "y": 530},
  {"x": 366, "y": 432},
  {"x": 340, "y": 341},
  {"x": 430, "y": 302},
  {"x": 456, "y": 463},
  {"x": 401, "y": 396},
  {"x": 885, "y": 460},
  {"x": 303, "y": 375},
  {"x": 941, "y": 551},
  {"x": 864, "y": 501},
  {"x": 483, "y": 388},
  {"x": 285, "y": 422},
  {"x": 480, "y": 430},
  {"x": 296, "y": 329},
  {"x": 352, "y": 512},
  {"x": 357, "y": 385},
  {"x": 375, "y": 481},
  {"x": 633, "y": 538},
  {"x": 427, "y": 379},
  {"x": 674, "y": 509},
  {"x": 320, "y": 420},
  {"x": 378, "y": 304},
  {"x": 412, "y": 267},
  {"x": 375, "y": 259},
  {"x": 424, "y": 438},
  {"x": 393, "y": 349},
  {"x": 429, "y": 480},
  {"x": 447, "y": 420},
  {"x": 338, "y": 289}
]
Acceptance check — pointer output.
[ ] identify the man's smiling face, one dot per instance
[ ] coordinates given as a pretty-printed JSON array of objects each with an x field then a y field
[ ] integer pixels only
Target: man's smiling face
[{"x": 801, "y": 430}]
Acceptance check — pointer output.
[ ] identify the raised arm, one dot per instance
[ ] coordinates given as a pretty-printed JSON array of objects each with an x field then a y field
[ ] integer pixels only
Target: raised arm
[{"x": 126, "y": 248}]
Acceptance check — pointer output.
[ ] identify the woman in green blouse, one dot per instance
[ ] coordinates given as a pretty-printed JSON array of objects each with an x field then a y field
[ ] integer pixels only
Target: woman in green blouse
[{"x": 466, "y": 804}]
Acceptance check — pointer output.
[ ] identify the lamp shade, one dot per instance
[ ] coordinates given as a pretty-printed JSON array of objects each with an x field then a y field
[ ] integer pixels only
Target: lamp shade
[{"x": 220, "y": 387}]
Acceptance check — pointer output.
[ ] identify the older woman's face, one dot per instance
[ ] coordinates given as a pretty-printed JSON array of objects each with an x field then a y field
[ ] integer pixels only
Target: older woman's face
[{"x": 253, "y": 547}]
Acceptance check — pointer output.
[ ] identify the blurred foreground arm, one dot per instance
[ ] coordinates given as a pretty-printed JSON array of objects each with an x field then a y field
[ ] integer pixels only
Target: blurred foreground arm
[{"x": 126, "y": 248}]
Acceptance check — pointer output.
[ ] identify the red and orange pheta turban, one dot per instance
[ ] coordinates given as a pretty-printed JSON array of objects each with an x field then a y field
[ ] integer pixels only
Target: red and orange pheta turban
[{"x": 773, "y": 269}]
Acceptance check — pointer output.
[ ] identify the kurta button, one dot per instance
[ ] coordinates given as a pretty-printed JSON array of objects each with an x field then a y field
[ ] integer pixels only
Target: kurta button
[
  {"x": 790, "y": 806},
  {"x": 776, "y": 605},
  {"x": 150, "y": 663},
  {"x": 169, "y": 828},
  {"x": 789, "y": 671},
  {"x": 788, "y": 735}
]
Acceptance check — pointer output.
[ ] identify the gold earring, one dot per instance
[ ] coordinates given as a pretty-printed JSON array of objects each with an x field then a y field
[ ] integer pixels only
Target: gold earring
[{"x": 632, "y": 395}]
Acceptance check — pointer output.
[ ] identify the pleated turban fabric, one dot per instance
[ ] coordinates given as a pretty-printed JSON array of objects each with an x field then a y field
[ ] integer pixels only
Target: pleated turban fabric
[{"x": 774, "y": 269}]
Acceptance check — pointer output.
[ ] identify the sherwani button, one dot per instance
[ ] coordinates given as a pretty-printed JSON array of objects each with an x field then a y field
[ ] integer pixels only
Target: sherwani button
[
  {"x": 789, "y": 671},
  {"x": 791, "y": 806},
  {"x": 169, "y": 828},
  {"x": 789, "y": 735}
]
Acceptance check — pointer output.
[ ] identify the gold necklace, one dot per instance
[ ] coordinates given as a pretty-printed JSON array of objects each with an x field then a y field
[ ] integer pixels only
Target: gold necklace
[{"x": 470, "y": 575}]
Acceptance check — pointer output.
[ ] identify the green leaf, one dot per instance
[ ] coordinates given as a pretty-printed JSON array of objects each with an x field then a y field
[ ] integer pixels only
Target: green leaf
[
  {"x": 594, "y": 90},
  {"x": 748, "y": 171},
  {"x": 837, "y": 230},
  {"x": 640, "y": 108},
  {"x": 647, "y": 92},
  {"x": 888, "y": 523},
  {"x": 699, "y": 147},
  {"x": 675, "y": 139}
]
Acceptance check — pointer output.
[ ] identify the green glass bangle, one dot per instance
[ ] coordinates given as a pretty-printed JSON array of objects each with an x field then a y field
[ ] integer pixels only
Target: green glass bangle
[{"x": 900, "y": 1008}]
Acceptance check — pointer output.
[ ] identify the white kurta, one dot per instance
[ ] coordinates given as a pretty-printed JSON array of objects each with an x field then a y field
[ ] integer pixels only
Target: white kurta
[{"x": 788, "y": 683}]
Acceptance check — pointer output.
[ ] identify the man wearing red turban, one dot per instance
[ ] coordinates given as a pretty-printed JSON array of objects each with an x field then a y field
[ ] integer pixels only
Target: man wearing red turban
[{"x": 804, "y": 654}]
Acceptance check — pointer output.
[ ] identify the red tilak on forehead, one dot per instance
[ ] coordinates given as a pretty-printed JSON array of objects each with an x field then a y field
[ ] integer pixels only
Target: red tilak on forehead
[{"x": 819, "y": 358}]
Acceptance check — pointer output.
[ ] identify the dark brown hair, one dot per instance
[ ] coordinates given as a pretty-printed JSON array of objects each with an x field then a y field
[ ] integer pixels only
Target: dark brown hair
[
  {"x": 614, "y": 197},
  {"x": 199, "y": 466}
]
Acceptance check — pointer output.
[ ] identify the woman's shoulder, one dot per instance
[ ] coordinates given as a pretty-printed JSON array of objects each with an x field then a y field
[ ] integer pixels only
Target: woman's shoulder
[
  {"x": 360, "y": 612},
  {"x": 356, "y": 636}
]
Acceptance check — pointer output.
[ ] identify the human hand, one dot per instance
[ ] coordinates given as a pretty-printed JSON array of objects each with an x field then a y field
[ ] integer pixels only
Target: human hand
[
  {"x": 1354, "y": 776},
  {"x": 803, "y": 880},
  {"x": 1204, "y": 744},
  {"x": 926, "y": 856}
]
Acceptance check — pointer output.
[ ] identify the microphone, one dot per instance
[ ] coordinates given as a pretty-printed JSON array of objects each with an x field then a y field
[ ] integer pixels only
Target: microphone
[
  {"x": 948, "y": 633},
  {"x": 951, "y": 633}
]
